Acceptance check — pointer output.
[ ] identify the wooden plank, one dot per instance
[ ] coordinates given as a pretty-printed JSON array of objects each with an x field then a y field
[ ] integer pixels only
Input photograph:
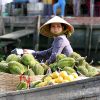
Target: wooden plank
[
  {"x": 22, "y": 21},
  {"x": 5, "y": 43},
  {"x": 17, "y": 34}
]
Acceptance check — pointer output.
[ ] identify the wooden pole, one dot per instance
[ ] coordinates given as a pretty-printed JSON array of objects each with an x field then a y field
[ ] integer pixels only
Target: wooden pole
[
  {"x": 91, "y": 24},
  {"x": 38, "y": 34}
]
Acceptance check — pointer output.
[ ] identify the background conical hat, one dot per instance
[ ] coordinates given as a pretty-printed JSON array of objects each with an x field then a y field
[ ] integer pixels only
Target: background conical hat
[{"x": 45, "y": 29}]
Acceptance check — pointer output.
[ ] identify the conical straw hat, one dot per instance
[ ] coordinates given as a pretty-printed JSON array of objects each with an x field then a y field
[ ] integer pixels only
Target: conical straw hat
[{"x": 45, "y": 28}]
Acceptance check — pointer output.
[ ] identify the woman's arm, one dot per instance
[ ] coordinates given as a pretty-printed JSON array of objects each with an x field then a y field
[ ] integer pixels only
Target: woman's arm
[
  {"x": 42, "y": 55},
  {"x": 61, "y": 45},
  {"x": 57, "y": 48}
]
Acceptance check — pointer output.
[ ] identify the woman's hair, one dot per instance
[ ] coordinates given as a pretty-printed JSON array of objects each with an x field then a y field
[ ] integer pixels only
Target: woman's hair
[{"x": 63, "y": 25}]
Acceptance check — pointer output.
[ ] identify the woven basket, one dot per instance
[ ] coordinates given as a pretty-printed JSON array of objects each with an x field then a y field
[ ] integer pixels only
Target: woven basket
[{"x": 9, "y": 82}]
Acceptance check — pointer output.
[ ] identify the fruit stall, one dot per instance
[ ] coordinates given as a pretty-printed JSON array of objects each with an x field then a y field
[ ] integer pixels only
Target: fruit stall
[
  {"x": 68, "y": 78},
  {"x": 25, "y": 78}
]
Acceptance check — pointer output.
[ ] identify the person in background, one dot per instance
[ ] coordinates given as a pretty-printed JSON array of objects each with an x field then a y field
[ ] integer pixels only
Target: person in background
[
  {"x": 76, "y": 7},
  {"x": 59, "y": 4},
  {"x": 59, "y": 29},
  {"x": 47, "y": 7}
]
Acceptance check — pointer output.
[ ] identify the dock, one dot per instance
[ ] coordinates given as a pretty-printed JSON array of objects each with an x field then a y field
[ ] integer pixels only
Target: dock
[
  {"x": 27, "y": 28},
  {"x": 85, "y": 40}
]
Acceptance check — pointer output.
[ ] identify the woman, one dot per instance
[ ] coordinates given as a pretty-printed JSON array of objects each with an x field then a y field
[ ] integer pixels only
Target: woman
[{"x": 59, "y": 29}]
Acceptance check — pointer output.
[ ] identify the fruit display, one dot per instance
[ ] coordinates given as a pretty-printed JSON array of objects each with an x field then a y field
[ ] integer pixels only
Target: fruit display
[
  {"x": 65, "y": 69},
  {"x": 74, "y": 63},
  {"x": 55, "y": 78},
  {"x": 26, "y": 65}
]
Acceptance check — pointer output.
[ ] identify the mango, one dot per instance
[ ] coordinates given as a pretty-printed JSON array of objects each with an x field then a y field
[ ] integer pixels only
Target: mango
[
  {"x": 55, "y": 75},
  {"x": 65, "y": 81},
  {"x": 63, "y": 74},
  {"x": 42, "y": 84},
  {"x": 48, "y": 78},
  {"x": 59, "y": 80},
  {"x": 69, "y": 78}
]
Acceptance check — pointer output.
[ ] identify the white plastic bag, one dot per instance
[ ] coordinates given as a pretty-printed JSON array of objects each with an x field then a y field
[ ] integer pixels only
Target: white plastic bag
[{"x": 19, "y": 51}]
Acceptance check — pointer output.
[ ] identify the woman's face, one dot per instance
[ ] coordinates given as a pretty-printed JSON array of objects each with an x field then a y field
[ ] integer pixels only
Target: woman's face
[{"x": 56, "y": 28}]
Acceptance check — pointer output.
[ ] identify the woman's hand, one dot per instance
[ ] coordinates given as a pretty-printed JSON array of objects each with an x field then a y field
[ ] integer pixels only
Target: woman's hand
[{"x": 25, "y": 51}]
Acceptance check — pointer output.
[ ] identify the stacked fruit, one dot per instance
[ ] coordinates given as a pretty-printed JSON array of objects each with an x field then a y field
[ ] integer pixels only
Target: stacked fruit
[
  {"x": 26, "y": 65},
  {"x": 55, "y": 78},
  {"x": 64, "y": 69},
  {"x": 74, "y": 63}
]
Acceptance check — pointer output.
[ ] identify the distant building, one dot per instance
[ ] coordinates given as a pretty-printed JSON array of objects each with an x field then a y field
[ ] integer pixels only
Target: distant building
[{"x": 39, "y": 7}]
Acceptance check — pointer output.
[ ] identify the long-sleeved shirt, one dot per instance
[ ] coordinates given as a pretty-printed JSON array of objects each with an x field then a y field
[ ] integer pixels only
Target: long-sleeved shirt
[{"x": 60, "y": 45}]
